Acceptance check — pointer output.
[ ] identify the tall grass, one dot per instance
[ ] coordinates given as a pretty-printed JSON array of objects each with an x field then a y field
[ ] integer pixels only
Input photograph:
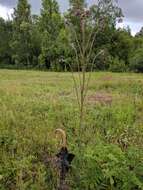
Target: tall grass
[{"x": 33, "y": 104}]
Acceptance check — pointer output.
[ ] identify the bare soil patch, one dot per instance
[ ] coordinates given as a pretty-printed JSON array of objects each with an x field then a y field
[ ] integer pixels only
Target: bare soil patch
[{"x": 100, "y": 97}]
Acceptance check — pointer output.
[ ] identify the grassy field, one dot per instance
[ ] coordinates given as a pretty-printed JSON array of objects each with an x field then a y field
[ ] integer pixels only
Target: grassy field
[{"x": 33, "y": 104}]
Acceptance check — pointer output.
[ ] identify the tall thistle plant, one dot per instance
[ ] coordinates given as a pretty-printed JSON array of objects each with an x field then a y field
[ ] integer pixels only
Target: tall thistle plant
[{"x": 82, "y": 38}]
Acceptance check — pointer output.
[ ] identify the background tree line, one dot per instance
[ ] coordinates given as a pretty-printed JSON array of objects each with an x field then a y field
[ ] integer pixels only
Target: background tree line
[{"x": 43, "y": 41}]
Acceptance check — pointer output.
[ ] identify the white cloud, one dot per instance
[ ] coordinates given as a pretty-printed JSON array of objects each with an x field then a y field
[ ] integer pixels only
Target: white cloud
[
  {"x": 5, "y": 12},
  {"x": 135, "y": 26}
]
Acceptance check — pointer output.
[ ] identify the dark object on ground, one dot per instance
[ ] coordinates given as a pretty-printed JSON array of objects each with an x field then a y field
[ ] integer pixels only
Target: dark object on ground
[{"x": 64, "y": 163}]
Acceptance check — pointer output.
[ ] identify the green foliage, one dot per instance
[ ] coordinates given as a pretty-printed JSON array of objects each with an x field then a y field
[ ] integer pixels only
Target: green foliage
[
  {"x": 140, "y": 33},
  {"x": 103, "y": 61},
  {"x": 50, "y": 26},
  {"x": 36, "y": 38},
  {"x": 136, "y": 61},
  {"x": 5, "y": 38},
  {"x": 108, "y": 167},
  {"x": 118, "y": 65},
  {"x": 21, "y": 42},
  {"x": 122, "y": 45},
  {"x": 42, "y": 41}
]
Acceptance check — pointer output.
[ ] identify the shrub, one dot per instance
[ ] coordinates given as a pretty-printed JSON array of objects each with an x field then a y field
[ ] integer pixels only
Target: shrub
[
  {"x": 136, "y": 61},
  {"x": 106, "y": 166},
  {"x": 117, "y": 65},
  {"x": 103, "y": 60}
]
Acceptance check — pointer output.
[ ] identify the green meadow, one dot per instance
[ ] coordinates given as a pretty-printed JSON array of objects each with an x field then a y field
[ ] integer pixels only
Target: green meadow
[{"x": 33, "y": 104}]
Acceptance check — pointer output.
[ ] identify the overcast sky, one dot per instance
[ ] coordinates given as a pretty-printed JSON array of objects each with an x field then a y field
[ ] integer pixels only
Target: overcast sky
[{"x": 132, "y": 9}]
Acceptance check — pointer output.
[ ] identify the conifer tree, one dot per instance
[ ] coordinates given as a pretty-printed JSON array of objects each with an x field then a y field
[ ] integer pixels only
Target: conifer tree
[
  {"x": 50, "y": 25},
  {"x": 21, "y": 43}
]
